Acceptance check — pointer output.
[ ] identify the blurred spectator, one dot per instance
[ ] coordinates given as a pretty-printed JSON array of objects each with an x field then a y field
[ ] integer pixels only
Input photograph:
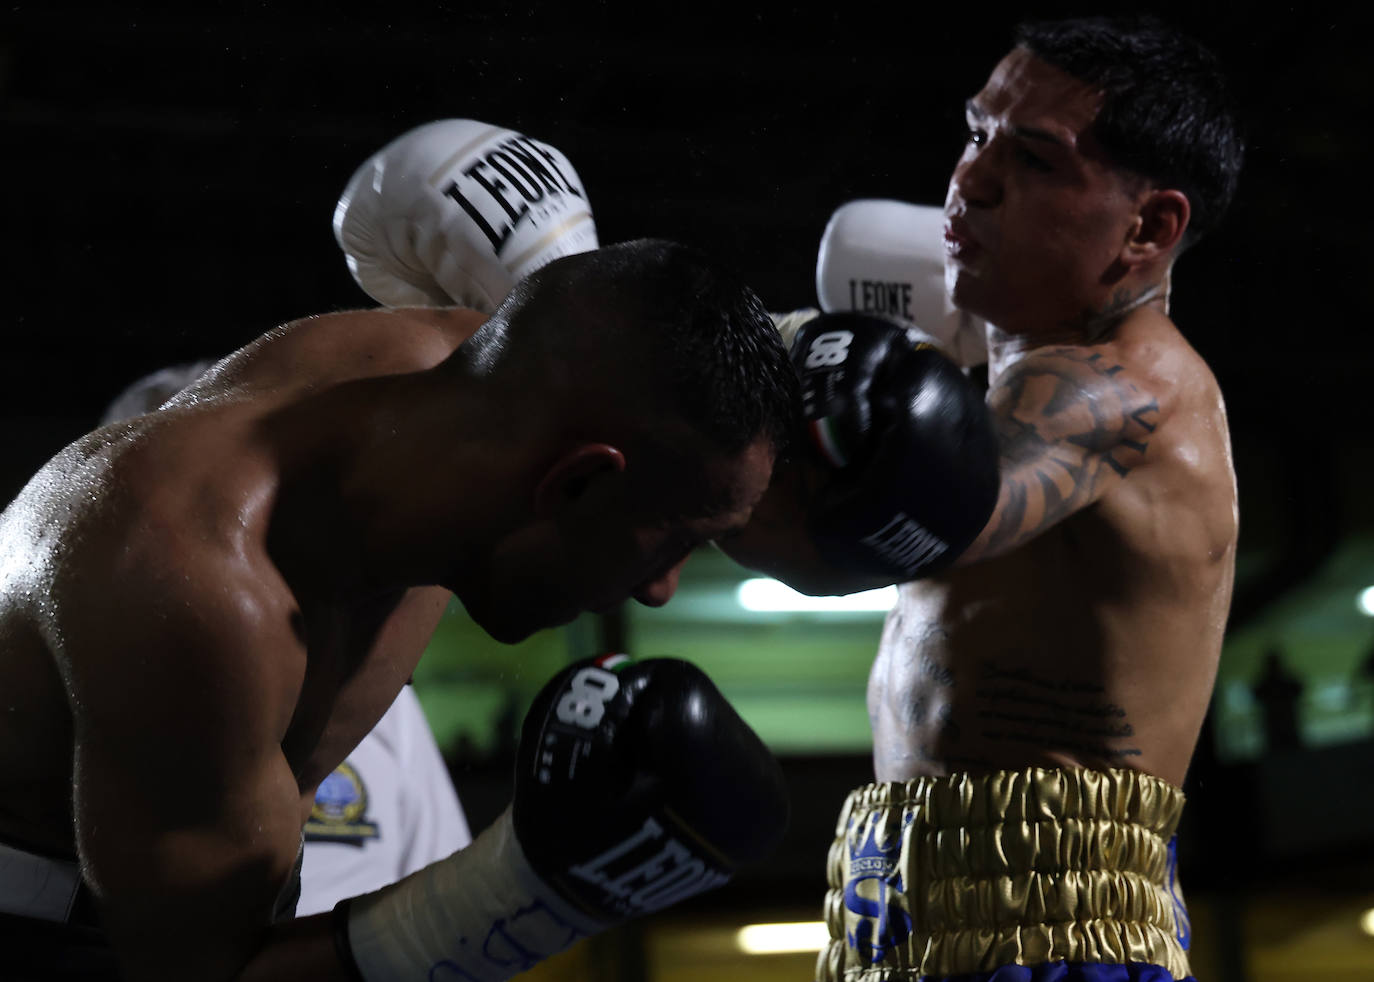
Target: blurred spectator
[{"x": 1279, "y": 692}]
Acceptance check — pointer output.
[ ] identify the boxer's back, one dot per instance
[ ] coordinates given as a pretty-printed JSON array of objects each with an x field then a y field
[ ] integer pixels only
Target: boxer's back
[
  {"x": 1094, "y": 643},
  {"x": 186, "y": 492}
]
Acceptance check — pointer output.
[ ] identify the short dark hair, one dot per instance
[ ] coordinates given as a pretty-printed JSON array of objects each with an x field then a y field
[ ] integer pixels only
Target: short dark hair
[
  {"x": 678, "y": 325},
  {"x": 1167, "y": 112},
  {"x": 729, "y": 368}
]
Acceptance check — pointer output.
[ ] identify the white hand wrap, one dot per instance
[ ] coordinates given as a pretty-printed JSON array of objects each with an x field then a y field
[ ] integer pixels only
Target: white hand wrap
[
  {"x": 482, "y": 915},
  {"x": 457, "y": 212},
  {"x": 887, "y": 258}
]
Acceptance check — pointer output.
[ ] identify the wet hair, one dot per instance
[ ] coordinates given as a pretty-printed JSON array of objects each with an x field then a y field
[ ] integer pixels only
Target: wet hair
[
  {"x": 665, "y": 325},
  {"x": 1166, "y": 113}
]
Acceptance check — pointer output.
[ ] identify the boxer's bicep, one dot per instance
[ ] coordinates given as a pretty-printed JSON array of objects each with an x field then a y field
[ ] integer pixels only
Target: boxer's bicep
[
  {"x": 187, "y": 813},
  {"x": 1070, "y": 427}
]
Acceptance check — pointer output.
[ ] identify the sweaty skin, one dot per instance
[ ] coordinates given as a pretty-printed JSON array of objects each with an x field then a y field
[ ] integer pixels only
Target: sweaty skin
[
  {"x": 204, "y": 609},
  {"x": 177, "y": 683},
  {"x": 110, "y": 517},
  {"x": 1072, "y": 634},
  {"x": 1084, "y": 626}
]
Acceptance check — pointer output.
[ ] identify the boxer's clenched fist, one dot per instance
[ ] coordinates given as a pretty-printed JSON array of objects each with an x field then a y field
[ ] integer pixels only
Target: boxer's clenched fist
[{"x": 913, "y": 453}]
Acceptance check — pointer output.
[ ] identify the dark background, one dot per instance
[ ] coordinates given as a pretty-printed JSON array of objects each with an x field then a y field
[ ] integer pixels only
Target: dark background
[
  {"x": 170, "y": 174},
  {"x": 169, "y": 177}
]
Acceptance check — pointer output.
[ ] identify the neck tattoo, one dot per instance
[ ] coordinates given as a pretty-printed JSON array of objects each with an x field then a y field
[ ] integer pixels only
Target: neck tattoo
[{"x": 1093, "y": 324}]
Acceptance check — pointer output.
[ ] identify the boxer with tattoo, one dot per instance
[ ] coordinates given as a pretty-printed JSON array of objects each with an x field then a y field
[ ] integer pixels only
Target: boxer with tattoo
[{"x": 1039, "y": 690}]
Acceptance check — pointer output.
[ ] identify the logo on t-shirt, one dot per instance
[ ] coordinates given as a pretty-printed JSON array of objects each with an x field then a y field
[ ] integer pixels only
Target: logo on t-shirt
[{"x": 340, "y": 811}]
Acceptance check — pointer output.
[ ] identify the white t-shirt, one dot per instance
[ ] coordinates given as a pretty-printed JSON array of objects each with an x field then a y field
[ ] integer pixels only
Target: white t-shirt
[{"x": 386, "y": 811}]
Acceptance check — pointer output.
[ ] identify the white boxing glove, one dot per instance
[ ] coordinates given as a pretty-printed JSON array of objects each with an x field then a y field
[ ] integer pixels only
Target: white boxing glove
[
  {"x": 887, "y": 258},
  {"x": 457, "y": 212}
]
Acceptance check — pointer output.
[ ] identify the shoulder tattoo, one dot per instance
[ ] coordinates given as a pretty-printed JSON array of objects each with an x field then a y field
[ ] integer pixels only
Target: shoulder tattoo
[{"x": 1069, "y": 422}]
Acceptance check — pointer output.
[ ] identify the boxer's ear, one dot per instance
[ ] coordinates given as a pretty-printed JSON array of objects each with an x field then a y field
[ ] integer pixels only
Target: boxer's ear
[
  {"x": 569, "y": 477},
  {"x": 1158, "y": 228}
]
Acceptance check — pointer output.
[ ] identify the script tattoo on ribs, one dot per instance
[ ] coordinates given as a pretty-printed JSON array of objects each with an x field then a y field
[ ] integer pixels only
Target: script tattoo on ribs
[
  {"x": 1018, "y": 706},
  {"x": 1067, "y": 421}
]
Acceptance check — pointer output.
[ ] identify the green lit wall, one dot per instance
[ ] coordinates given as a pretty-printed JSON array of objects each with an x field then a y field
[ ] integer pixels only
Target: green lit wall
[
  {"x": 799, "y": 679},
  {"x": 1324, "y": 641}
]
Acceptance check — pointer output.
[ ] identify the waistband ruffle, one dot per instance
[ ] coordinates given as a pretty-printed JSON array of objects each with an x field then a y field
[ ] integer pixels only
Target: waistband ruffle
[{"x": 962, "y": 874}]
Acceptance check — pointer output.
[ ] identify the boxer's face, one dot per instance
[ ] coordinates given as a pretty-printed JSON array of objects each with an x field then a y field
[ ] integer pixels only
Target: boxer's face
[
  {"x": 632, "y": 543},
  {"x": 1035, "y": 215}
]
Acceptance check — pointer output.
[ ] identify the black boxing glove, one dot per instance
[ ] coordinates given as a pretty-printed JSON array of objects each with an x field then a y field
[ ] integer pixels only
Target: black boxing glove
[
  {"x": 636, "y": 786},
  {"x": 911, "y": 443}
]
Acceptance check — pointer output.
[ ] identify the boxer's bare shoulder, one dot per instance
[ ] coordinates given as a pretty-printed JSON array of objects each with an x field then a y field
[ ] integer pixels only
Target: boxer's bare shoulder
[
  {"x": 339, "y": 346},
  {"x": 1074, "y": 421},
  {"x": 1105, "y": 573},
  {"x": 1187, "y": 472},
  {"x": 147, "y": 533},
  {"x": 124, "y": 536}
]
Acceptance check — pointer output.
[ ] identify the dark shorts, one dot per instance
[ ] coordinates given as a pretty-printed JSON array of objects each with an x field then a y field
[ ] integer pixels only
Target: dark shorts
[
  {"x": 49, "y": 928},
  {"x": 50, "y": 924},
  {"x": 33, "y": 950}
]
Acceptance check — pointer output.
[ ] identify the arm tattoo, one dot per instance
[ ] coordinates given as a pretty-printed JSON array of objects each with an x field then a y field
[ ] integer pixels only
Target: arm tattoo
[{"x": 1070, "y": 423}]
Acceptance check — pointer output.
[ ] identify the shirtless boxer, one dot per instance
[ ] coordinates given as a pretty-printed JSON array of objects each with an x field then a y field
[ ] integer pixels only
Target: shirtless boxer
[
  {"x": 1037, "y": 696},
  {"x": 203, "y": 609},
  {"x": 390, "y": 807}
]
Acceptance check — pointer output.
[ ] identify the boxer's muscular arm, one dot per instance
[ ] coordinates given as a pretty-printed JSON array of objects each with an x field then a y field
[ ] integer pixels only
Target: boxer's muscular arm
[
  {"x": 188, "y": 815},
  {"x": 1071, "y": 424}
]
